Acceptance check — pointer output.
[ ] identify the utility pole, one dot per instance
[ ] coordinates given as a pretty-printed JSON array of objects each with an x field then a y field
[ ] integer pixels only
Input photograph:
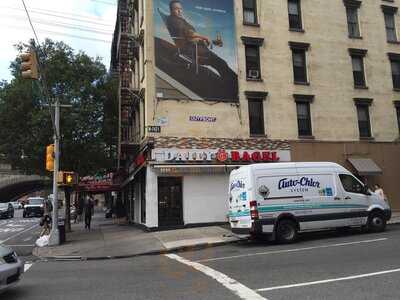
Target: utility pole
[{"x": 55, "y": 234}]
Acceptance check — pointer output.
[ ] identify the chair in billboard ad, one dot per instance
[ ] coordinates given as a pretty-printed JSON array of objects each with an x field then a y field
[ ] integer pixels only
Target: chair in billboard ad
[{"x": 195, "y": 50}]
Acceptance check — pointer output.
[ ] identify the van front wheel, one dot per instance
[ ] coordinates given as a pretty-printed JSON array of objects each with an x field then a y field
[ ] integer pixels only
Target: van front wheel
[
  {"x": 286, "y": 231},
  {"x": 376, "y": 222}
]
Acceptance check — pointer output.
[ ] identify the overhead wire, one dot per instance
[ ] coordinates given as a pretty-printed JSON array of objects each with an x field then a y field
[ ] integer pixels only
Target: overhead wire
[
  {"x": 60, "y": 15},
  {"x": 61, "y": 34},
  {"x": 63, "y": 25}
]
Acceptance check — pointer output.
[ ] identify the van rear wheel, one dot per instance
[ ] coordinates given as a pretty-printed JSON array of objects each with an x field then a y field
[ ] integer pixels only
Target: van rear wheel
[
  {"x": 376, "y": 222},
  {"x": 286, "y": 231}
]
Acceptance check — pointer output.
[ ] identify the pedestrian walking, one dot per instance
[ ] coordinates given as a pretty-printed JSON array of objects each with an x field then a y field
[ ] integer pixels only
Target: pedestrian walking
[
  {"x": 379, "y": 192},
  {"x": 45, "y": 222},
  {"x": 88, "y": 211}
]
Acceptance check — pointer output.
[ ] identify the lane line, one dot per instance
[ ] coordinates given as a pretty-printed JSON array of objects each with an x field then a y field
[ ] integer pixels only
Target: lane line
[
  {"x": 28, "y": 239},
  {"x": 327, "y": 280},
  {"x": 33, "y": 245},
  {"x": 19, "y": 233},
  {"x": 293, "y": 250},
  {"x": 242, "y": 291},
  {"x": 27, "y": 266}
]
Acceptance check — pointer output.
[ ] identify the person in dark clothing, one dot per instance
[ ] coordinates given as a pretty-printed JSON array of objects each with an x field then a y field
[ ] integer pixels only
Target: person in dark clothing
[
  {"x": 88, "y": 211},
  {"x": 186, "y": 38}
]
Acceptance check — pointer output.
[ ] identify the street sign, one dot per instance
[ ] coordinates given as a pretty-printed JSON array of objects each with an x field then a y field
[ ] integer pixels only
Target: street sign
[{"x": 154, "y": 129}]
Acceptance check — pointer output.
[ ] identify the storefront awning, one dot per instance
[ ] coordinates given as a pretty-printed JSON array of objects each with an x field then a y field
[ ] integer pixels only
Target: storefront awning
[{"x": 365, "y": 166}]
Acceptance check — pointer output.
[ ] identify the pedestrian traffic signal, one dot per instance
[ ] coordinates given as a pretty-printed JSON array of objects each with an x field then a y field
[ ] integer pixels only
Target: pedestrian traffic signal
[
  {"x": 68, "y": 178},
  {"x": 50, "y": 158},
  {"x": 29, "y": 65}
]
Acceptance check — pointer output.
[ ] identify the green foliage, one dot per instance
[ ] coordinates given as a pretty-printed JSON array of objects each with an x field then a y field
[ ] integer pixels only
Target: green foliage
[{"x": 88, "y": 129}]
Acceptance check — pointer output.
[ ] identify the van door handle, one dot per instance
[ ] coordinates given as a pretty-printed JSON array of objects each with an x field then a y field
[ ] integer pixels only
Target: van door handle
[
  {"x": 337, "y": 198},
  {"x": 347, "y": 198}
]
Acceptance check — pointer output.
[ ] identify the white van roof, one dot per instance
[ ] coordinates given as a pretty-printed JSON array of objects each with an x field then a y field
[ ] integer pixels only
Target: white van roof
[{"x": 291, "y": 165}]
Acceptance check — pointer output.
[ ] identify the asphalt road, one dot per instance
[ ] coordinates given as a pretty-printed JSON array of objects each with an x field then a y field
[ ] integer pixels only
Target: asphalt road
[
  {"x": 326, "y": 265},
  {"x": 20, "y": 233}
]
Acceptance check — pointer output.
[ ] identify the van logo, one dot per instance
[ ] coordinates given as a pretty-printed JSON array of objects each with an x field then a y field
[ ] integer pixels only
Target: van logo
[
  {"x": 263, "y": 191},
  {"x": 303, "y": 182},
  {"x": 237, "y": 185}
]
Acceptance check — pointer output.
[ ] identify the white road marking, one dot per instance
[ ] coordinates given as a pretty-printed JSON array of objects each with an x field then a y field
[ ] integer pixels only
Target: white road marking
[
  {"x": 21, "y": 245},
  {"x": 27, "y": 266},
  {"x": 327, "y": 280},
  {"x": 293, "y": 250},
  {"x": 15, "y": 235},
  {"x": 27, "y": 239},
  {"x": 236, "y": 287}
]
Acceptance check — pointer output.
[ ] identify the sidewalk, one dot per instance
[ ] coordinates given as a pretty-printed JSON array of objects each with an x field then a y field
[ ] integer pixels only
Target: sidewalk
[{"x": 107, "y": 239}]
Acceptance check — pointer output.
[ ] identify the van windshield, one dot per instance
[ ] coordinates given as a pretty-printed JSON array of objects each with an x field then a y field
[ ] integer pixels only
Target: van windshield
[{"x": 36, "y": 201}]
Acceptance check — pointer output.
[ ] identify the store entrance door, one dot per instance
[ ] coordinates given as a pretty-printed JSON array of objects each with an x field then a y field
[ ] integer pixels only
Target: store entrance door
[{"x": 170, "y": 211}]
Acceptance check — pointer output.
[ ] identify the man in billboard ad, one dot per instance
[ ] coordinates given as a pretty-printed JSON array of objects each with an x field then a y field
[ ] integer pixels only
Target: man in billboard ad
[{"x": 195, "y": 49}]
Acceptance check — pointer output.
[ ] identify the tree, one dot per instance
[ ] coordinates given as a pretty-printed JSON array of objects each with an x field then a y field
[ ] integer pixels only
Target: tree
[{"x": 88, "y": 129}]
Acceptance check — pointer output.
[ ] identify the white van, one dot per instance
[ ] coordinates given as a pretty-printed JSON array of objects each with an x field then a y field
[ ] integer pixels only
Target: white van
[{"x": 282, "y": 199}]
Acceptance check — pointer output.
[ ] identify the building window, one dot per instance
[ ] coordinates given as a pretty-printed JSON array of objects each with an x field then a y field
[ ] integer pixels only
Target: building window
[
  {"x": 294, "y": 15},
  {"x": 299, "y": 62},
  {"x": 357, "y": 61},
  {"x": 364, "y": 123},
  {"x": 395, "y": 66},
  {"x": 389, "y": 12},
  {"x": 256, "y": 117},
  {"x": 353, "y": 26},
  {"x": 304, "y": 114},
  {"x": 252, "y": 53},
  {"x": 397, "y": 106},
  {"x": 253, "y": 69},
  {"x": 250, "y": 12},
  {"x": 256, "y": 112}
]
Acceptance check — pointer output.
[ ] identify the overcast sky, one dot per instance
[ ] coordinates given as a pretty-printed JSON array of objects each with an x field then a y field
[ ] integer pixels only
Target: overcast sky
[{"x": 83, "y": 24}]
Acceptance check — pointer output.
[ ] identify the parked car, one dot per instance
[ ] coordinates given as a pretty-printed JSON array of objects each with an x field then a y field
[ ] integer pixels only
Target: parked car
[
  {"x": 16, "y": 204},
  {"x": 11, "y": 268},
  {"x": 6, "y": 210},
  {"x": 34, "y": 207}
]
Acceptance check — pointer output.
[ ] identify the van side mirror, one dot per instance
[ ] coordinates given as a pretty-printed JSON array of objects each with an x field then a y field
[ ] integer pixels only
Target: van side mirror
[{"x": 366, "y": 191}]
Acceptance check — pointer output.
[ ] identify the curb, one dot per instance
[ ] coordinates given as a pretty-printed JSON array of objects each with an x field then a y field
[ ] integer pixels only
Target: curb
[{"x": 199, "y": 246}]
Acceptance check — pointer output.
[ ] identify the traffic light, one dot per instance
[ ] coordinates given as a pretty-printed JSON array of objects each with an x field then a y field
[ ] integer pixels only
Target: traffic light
[
  {"x": 29, "y": 65},
  {"x": 50, "y": 158},
  {"x": 67, "y": 178}
]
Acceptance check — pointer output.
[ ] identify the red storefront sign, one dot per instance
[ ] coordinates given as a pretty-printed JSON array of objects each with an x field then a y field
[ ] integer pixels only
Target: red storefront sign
[{"x": 220, "y": 155}]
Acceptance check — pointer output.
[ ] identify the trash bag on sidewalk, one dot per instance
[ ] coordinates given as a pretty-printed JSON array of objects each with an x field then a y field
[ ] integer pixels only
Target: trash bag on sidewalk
[{"x": 43, "y": 241}]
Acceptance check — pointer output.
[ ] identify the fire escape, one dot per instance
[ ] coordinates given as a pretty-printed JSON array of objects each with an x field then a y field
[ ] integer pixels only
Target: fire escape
[{"x": 131, "y": 95}]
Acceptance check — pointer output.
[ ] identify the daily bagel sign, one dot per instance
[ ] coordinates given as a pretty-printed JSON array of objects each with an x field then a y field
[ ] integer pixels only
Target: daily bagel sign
[{"x": 220, "y": 155}]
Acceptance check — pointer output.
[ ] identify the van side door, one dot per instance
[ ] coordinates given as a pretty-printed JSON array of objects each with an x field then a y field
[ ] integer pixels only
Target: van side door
[
  {"x": 356, "y": 201},
  {"x": 320, "y": 195}
]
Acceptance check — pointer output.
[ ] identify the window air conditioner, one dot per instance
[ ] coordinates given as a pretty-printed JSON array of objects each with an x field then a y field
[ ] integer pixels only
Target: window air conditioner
[{"x": 254, "y": 74}]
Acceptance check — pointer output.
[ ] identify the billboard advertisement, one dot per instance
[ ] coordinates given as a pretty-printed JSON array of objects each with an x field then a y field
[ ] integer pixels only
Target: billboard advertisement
[{"x": 195, "y": 50}]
